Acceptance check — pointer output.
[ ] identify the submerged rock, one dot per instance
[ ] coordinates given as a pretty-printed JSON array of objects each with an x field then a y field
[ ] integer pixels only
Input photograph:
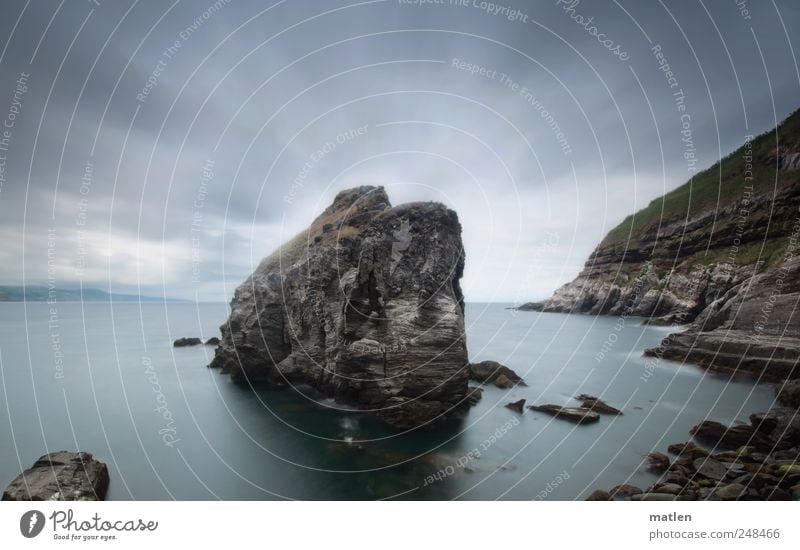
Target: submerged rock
[
  {"x": 184, "y": 342},
  {"x": 573, "y": 414},
  {"x": 597, "y": 405},
  {"x": 61, "y": 475},
  {"x": 474, "y": 395},
  {"x": 732, "y": 437},
  {"x": 365, "y": 305},
  {"x": 657, "y": 462}
]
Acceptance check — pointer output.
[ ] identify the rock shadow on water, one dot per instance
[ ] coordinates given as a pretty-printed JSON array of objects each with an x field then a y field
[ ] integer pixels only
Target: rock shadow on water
[{"x": 353, "y": 455}]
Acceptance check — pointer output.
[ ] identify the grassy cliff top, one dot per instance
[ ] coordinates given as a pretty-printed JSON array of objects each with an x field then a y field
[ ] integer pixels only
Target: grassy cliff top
[{"x": 717, "y": 186}]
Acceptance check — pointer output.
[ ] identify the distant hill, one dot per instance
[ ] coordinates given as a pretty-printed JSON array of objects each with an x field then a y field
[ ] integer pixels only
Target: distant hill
[{"x": 42, "y": 293}]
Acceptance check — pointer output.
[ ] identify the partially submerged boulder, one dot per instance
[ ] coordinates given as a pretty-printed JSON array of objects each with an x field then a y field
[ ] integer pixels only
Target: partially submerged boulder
[
  {"x": 487, "y": 372},
  {"x": 597, "y": 405},
  {"x": 61, "y": 475},
  {"x": 518, "y": 406},
  {"x": 186, "y": 342},
  {"x": 573, "y": 414}
]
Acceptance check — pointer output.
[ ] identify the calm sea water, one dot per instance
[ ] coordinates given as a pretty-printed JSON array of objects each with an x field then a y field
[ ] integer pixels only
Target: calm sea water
[{"x": 169, "y": 428}]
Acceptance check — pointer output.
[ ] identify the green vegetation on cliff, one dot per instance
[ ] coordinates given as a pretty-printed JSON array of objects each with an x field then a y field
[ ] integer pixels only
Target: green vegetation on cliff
[{"x": 718, "y": 186}]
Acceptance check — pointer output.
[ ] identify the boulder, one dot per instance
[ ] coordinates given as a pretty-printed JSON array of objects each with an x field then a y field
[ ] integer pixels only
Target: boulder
[
  {"x": 213, "y": 341},
  {"x": 599, "y": 495},
  {"x": 474, "y": 395},
  {"x": 503, "y": 382},
  {"x": 710, "y": 468},
  {"x": 733, "y": 437},
  {"x": 789, "y": 393},
  {"x": 517, "y": 406},
  {"x": 657, "y": 462},
  {"x": 668, "y": 488},
  {"x": 573, "y": 414},
  {"x": 687, "y": 449},
  {"x": 184, "y": 342},
  {"x": 61, "y": 475},
  {"x": 371, "y": 314},
  {"x": 489, "y": 371},
  {"x": 654, "y": 497},
  {"x": 625, "y": 490},
  {"x": 597, "y": 405},
  {"x": 734, "y": 491}
]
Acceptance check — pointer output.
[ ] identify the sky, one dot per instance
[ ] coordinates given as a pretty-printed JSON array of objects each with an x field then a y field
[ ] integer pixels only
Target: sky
[{"x": 165, "y": 147}]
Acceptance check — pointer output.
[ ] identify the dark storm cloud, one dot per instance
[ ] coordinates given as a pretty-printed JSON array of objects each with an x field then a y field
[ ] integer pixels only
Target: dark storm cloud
[{"x": 171, "y": 145}]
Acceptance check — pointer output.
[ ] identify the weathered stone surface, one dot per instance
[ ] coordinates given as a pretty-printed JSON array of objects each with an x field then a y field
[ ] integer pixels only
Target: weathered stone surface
[
  {"x": 654, "y": 497},
  {"x": 61, "y": 475},
  {"x": 371, "y": 313},
  {"x": 718, "y": 434},
  {"x": 657, "y": 462},
  {"x": 710, "y": 468},
  {"x": 185, "y": 342},
  {"x": 573, "y": 414},
  {"x": 474, "y": 395},
  {"x": 734, "y": 491},
  {"x": 489, "y": 371},
  {"x": 625, "y": 490},
  {"x": 669, "y": 488},
  {"x": 597, "y": 405}
]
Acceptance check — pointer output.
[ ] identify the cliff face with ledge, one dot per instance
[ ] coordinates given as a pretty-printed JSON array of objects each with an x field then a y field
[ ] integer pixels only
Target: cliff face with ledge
[
  {"x": 718, "y": 254},
  {"x": 365, "y": 306}
]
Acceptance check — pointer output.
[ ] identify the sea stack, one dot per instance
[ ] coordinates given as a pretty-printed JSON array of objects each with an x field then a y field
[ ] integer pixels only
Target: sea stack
[{"x": 365, "y": 306}]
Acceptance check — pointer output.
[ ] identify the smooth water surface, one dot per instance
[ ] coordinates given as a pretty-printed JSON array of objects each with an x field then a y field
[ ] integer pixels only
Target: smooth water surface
[{"x": 169, "y": 428}]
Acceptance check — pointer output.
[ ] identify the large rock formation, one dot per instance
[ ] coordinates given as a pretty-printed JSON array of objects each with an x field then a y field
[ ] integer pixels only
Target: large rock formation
[
  {"x": 365, "y": 306},
  {"x": 61, "y": 475},
  {"x": 718, "y": 254}
]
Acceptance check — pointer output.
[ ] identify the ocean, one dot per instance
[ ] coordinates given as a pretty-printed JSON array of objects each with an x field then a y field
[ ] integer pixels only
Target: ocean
[{"x": 104, "y": 378}]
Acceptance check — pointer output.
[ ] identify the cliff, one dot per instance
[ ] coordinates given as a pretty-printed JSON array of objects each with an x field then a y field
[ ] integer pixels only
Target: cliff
[
  {"x": 717, "y": 254},
  {"x": 364, "y": 306}
]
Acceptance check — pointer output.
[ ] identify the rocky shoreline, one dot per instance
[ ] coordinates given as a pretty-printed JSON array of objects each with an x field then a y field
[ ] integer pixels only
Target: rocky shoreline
[{"x": 756, "y": 461}]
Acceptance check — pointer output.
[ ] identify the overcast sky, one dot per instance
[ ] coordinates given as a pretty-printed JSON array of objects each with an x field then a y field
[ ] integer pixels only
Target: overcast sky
[{"x": 167, "y": 147}]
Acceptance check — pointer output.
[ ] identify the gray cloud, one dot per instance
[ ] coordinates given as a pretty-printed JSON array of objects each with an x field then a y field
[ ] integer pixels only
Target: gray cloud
[{"x": 552, "y": 142}]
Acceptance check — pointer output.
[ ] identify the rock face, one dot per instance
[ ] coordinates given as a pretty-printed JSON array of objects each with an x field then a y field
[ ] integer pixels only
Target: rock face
[
  {"x": 365, "y": 306},
  {"x": 573, "y": 414},
  {"x": 718, "y": 254},
  {"x": 62, "y": 475},
  {"x": 761, "y": 465}
]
